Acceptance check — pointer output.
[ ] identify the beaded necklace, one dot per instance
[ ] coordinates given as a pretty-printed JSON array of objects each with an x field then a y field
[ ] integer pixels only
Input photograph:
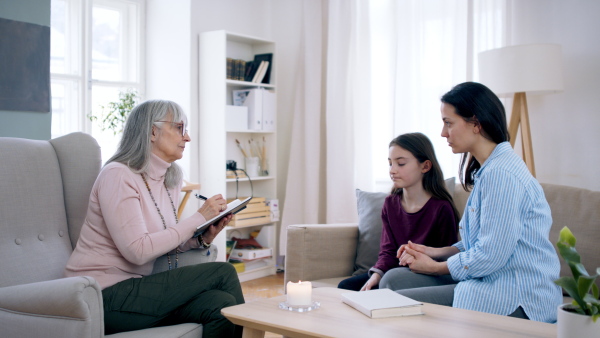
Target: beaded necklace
[{"x": 163, "y": 219}]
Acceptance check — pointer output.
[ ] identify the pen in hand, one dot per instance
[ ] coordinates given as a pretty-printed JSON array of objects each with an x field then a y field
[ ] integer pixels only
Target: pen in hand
[{"x": 198, "y": 196}]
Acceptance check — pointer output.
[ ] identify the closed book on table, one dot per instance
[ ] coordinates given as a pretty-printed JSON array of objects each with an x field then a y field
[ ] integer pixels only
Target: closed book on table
[{"x": 382, "y": 303}]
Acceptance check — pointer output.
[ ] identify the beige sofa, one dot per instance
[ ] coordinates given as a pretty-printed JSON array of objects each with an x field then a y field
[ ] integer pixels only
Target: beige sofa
[
  {"x": 325, "y": 253},
  {"x": 44, "y": 193}
]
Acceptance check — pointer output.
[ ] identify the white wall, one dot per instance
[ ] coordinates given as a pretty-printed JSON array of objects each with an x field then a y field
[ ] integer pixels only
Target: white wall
[
  {"x": 168, "y": 60},
  {"x": 565, "y": 125}
]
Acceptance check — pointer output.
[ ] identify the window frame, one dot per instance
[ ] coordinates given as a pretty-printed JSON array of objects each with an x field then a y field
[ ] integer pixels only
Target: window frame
[{"x": 80, "y": 15}]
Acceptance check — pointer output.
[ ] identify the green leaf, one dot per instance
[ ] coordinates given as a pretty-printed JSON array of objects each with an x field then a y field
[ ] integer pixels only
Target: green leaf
[
  {"x": 577, "y": 270},
  {"x": 595, "y": 291},
  {"x": 584, "y": 284},
  {"x": 569, "y": 285},
  {"x": 568, "y": 253},
  {"x": 566, "y": 236}
]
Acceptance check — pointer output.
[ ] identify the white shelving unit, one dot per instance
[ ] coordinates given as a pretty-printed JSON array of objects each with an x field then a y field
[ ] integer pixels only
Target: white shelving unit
[{"x": 217, "y": 144}]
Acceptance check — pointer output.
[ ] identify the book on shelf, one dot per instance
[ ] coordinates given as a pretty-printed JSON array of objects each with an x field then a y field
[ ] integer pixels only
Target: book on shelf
[
  {"x": 268, "y": 58},
  {"x": 240, "y": 69},
  {"x": 261, "y": 72},
  {"x": 251, "y": 68},
  {"x": 382, "y": 303},
  {"x": 229, "y": 69}
]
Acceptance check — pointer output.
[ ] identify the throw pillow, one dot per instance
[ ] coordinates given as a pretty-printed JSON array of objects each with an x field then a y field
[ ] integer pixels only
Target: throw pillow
[
  {"x": 369, "y": 205},
  {"x": 450, "y": 185}
]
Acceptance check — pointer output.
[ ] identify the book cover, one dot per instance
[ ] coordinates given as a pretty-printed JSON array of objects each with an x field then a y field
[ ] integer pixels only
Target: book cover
[
  {"x": 230, "y": 68},
  {"x": 382, "y": 303},
  {"x": 268, "y": 57},
  {"x": 262, "y": 71},
  {"x": 259, "y": 71},
  {"x": 251, "y": 68}
]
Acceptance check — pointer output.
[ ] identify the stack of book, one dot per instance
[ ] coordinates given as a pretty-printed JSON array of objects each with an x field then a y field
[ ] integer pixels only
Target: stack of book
[
  {"x": 256, "y": 71},
  {"x": 236, "y": 69},
  {"x": 256, "y": 212}
]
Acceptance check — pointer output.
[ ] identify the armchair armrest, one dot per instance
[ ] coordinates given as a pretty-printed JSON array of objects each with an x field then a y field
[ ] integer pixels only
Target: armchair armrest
[
  {"x": 319, "y": 251},
  {"x": 190, "y": 257},
  {"x": 66, "y": 307}
]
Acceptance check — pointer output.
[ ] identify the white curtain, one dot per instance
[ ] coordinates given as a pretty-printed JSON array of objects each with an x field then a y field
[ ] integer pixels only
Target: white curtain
[
  {"x": 387, "y": 64},
  {"x": 304, "y": 197}
]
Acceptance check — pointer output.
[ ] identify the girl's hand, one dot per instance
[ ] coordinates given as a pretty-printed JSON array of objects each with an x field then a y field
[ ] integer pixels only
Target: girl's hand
[
  {"x": 421, "y": 263},
  {"x": 435, "y": 253},
  {"x": 373, "y": 281},
  {"x": 212, "y": 231},
  {"x": 213, "y": 206}
]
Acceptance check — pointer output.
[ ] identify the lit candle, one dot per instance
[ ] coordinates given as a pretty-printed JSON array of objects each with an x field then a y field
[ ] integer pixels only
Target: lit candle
[{"x": 299, "y": 294}]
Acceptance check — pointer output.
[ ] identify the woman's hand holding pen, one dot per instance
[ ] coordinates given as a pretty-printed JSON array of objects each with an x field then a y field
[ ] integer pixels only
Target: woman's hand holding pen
[{"x": 212, "y": 206}]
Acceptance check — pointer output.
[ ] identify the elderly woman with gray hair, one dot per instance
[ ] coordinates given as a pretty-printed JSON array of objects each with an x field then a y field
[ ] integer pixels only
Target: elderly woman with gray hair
[{"x": 132, "y": 220}]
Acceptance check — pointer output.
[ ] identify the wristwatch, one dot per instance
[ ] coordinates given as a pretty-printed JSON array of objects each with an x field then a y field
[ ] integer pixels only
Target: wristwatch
[{"x": 202, "y": 243}]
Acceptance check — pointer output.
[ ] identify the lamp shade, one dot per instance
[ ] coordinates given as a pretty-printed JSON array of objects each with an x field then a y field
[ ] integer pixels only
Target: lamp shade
[{"x": 534, "y": 68}]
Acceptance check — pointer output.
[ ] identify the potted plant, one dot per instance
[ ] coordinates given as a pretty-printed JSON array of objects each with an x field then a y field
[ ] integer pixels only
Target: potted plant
[
  {"x": 578, "y": 319},
  {"x": 114, "y": 114}
]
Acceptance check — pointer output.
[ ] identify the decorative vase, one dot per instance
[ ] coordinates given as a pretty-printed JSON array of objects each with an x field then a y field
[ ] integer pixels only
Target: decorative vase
[{"x": 572, "y": 324}]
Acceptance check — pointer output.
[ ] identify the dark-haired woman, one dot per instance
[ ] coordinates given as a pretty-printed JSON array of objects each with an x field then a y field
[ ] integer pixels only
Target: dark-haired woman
[
  {"x": 504, "y": 263},
  {"x": 419, "y": 208}
]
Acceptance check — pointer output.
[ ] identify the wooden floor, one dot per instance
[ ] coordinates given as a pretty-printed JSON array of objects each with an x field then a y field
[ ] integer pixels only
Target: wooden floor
[{"x": 266, "y": 287}]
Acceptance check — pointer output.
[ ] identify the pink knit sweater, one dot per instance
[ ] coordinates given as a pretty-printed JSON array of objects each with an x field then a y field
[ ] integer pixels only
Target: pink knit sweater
[{"x": 123, "y": 233}]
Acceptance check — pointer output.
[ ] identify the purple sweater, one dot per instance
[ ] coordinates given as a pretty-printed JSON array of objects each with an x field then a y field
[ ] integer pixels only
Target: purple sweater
[{"x": 433, "y": 225}]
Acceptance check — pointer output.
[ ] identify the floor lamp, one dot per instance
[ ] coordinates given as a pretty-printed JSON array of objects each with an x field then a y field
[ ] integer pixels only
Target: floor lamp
[{"x": 531, "y": 69}]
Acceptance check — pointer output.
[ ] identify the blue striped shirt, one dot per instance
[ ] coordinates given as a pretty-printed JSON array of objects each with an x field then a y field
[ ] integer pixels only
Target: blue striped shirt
[{"x": 506, "y": 259}]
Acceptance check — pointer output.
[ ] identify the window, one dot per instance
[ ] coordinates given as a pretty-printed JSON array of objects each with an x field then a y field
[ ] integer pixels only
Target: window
[{"x": 95, "y": 54}]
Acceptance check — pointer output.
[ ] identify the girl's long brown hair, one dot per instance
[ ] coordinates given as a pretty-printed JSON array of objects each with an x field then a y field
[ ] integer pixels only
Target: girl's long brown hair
[{"x": 433, "y": 181}]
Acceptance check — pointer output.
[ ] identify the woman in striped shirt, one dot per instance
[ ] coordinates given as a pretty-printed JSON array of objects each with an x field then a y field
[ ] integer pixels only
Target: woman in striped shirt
[{"x": 505, "y": 264}]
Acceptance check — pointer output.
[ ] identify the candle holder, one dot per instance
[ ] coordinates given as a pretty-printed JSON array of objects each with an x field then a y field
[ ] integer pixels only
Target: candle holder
[{"x": 299, "y": 308}]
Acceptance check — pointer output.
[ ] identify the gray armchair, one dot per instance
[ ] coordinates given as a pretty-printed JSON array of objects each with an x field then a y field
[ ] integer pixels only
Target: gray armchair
[{"x": 44, "y": 193}]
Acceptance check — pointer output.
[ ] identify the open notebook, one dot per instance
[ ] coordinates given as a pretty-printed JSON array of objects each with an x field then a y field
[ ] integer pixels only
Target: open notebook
[{"x": 233, "y": 207}]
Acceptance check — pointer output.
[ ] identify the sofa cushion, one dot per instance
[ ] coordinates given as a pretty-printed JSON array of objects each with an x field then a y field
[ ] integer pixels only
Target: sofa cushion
[
  {"x": 369, "y": 205},
  {"x": 579, "y": 210}
]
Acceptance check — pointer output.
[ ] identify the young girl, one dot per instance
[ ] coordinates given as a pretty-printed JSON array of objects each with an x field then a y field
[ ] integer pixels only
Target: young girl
[
  {"x": 419, "y": 208},
  {"x": 505, "y": 263}
]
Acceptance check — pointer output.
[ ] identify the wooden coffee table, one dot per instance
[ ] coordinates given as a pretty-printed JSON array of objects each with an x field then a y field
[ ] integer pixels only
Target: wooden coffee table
[{"x": 336, "y": 319}]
